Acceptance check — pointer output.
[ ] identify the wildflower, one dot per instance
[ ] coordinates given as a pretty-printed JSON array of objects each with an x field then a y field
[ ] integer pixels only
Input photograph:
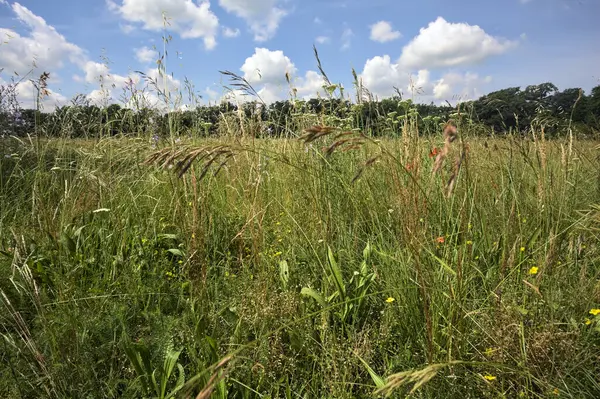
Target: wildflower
[
  {"x": 489, "y": 352},
  {"x": 440, "y": 240},
  {"x": 556, "y": 391},
  {"x": 276, "y": 254},
  {"x": 390, "y": 300},
  {"x": 587, "y": 321},
  {"x": 469, "y": 242},
  {"x": 533, "y": 270},
  {"x": 522, "y": 249},
  {"x": 434, "y": 152},
  {"x": 180, "y": 262},
  {"x": 489, "y": 377},
  {"x": 595, "y": 312}
]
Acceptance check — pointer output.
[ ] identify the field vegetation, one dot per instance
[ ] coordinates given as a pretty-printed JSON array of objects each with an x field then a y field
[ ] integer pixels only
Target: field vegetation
[{"x": 441, "y": 258}]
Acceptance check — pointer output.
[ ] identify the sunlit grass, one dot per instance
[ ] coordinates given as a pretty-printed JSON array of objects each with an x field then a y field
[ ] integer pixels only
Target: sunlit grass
[{"x": 316, "y": 282}]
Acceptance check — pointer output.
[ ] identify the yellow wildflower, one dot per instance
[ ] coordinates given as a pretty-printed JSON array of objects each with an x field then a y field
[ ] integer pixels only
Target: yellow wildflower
[
  {"x": 489, "y": 377},
  {"x": 522, "y": 249},
  {"x": 587, "y": 321},
  {"x": 595, "y": 312},
  {"x": 390, "y": 300},
  {"x": 533, "y": 270}
]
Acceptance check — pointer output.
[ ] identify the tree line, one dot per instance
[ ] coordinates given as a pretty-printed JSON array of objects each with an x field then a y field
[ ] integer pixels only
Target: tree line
[{"x": 512, "y": 109}]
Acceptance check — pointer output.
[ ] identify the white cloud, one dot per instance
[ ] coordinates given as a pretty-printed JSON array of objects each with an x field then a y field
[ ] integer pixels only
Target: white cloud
[
  {"x": 191, "y": 20},
  {"x": 347, "y": 38},
  {"x": 382, "y": 32},
  {"x": 322, "y": 39},
  {"x": 420, "y": 84},
  {"x": 40, "y": 49},
  {"x": 229, "y": 32},
  {"x": 42, "y": 45},
  {"x": 262, "y": 16},
  {"x": 444, "y": 44},
  {"x": 266, "y": 71},
  {"x": 27, "y": 94},
  {"x": 311, "y": 85},
  {"x": 380, "y": 75},
  {"x": 317, "y": 21},
  {"x": 267, "y": 67},
  {"x": 146, "y": 55},
  {"x": 455, "y": 86}
]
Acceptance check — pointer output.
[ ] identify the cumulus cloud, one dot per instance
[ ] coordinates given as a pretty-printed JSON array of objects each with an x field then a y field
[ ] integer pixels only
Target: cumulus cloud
[
  {"x": 266, "y": 70},
  {"x": 310, "y": 85},
  {"x": 27, "y": 95},
  {"x": 322, "y": 39},
  {"x": 380, "y": 75},
  {"x": 191, "y": 20},
  {"x": 262, "y": 16},
  {"x": 267, "y": 67},
  {"x": 455, "y": 86},
  {"x": 382, "y": 32},
  {"x": 440, "y": 45},
  {"x": 42, "y": 44},
  {"x": 39, "y": 49},
  {"x": 146, "y": 55},
  {"x": 445, "y": 44}
]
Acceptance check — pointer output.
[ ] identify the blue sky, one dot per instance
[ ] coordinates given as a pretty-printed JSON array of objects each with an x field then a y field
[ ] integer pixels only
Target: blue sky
[{"x": 450, "y": 49}]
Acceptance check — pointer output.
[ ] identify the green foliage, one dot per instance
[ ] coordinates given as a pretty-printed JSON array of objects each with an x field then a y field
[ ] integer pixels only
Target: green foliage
[
  {"x": 289, "y": 274},
  {"x": 155, "y": 381}
]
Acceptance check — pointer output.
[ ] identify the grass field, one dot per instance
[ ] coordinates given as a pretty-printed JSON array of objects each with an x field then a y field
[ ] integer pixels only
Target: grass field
[{"x": 247, "y": 268}]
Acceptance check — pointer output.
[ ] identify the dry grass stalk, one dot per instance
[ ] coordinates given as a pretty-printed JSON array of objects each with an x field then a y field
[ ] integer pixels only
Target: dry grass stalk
[
  {"x": 345, "y": 141},
  {"x": 214, "y": 379},
  {"x": 367, "y": 163},
  {"x": 450, "y": 134},
  {"x": 540, "y": 145},
  {"x": 181, "y": 160},
  {"x": 452, "y": 181},
  {"x": 416, "y": 377},
  {"x": 315, "y": 132}
]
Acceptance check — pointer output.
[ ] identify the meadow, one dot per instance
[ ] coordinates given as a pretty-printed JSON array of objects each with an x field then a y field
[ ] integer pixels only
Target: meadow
[{"x": 326, "y": 265}]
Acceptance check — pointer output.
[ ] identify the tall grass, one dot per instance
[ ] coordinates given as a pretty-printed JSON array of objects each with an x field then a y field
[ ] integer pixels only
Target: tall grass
[
  {"x": 323, "y": 265},
  {"x": 125, "y": 278}
]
